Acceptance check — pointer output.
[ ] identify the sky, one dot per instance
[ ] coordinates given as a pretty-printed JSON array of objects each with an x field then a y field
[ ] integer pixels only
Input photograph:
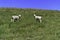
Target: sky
[{"x": 37, "y": 4}]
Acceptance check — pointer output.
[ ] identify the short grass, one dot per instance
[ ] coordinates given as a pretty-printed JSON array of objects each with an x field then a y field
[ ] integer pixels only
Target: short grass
[{"x": 28, "y": 28}]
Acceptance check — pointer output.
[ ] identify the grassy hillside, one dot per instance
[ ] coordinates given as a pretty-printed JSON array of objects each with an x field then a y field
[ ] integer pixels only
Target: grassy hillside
[{"x": 27, "y": 28}]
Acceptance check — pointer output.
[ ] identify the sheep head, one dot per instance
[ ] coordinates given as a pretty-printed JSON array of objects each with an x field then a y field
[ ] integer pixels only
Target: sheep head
[
  {"x": 19, "y": 15},
  {"x": 34, "y": 14}
]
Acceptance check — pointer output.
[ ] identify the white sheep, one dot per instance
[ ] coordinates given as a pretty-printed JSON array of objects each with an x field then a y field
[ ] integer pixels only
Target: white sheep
[
  {"x": 15, "y": 18},
  {"x": 38, "y": 18}
]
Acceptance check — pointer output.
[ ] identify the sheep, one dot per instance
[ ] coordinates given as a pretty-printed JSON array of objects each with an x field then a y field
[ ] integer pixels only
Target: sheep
[
  {"x": 39, "y": 18},
  {"x": 15, "y": 18}
]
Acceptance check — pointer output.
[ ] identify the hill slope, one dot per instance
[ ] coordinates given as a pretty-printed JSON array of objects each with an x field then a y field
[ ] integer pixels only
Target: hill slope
[{"x": 27, "y": 28}]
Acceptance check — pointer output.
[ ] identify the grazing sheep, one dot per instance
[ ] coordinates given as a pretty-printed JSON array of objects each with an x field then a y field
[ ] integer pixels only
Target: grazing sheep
[
  {"x": 39, "y": 18},
  {"x": 15, "y": 18}
]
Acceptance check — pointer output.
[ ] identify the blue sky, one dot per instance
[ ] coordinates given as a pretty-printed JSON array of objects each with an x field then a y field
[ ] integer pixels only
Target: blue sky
[{"x": 37, "y": 4}]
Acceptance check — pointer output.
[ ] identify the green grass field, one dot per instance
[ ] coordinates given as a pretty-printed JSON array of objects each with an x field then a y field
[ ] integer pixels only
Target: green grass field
[{"x": 28, "y": 28}]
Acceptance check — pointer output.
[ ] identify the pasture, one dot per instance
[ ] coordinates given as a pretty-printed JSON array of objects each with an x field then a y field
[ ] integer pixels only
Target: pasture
[{"x": 28, "y": 28}]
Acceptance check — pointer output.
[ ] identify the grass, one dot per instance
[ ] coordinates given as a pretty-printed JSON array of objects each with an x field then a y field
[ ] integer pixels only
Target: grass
[{"x": 28, "y": 28}]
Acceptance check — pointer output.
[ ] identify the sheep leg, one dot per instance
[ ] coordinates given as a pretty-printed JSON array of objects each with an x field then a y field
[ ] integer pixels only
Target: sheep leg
[
  {"x": 40, "y": 20},
  {"x": 12, "y": 20}
]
